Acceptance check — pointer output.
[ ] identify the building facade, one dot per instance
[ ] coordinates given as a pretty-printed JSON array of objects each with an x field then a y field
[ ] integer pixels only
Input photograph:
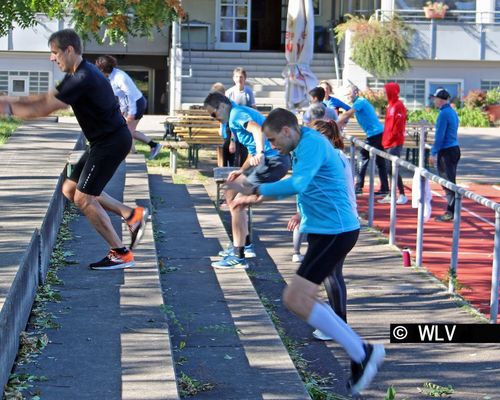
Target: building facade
[{"x": 460, "y": 52}]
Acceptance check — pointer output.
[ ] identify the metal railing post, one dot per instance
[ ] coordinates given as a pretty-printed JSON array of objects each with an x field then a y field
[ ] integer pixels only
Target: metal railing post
[
  {"x": 393, "y": 217},
  {"x": 455, "y": 243},
  {"x": 495, "y": 271},
  {"x": 421, "y": 202},
  {"x": 371, "y": 197},
  {"x": 352, "y": 151}
]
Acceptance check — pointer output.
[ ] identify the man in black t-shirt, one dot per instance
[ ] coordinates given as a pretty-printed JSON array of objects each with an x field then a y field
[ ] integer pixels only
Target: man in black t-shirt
[{"x": 90, "y": 95}]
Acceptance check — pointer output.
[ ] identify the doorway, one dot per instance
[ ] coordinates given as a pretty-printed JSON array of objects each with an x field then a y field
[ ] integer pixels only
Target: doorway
[
  {"x": 267, "y": 24},
  {"x": 143, "y": 79}
]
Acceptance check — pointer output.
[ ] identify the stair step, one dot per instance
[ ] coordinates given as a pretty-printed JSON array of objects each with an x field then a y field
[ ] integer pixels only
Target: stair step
[
  {"x": 224, "y": 327},
  {"x": 264, "y": 71}
]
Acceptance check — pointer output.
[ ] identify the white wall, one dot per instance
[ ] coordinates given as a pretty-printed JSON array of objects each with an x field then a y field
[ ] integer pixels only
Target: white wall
[{"x": 30, "y": 62}]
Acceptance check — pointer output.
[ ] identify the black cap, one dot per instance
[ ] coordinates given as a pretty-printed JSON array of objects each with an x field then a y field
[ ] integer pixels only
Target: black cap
[{"x": 441, "y": 94}]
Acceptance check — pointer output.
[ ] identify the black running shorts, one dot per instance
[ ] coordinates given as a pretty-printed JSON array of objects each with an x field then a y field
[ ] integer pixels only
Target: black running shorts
[
  {"x": 323, "y": 254},
  {"x": 100, "y": 161},
  {"x": 141, "y": 106},
  {"x": 273, "y": 169}
]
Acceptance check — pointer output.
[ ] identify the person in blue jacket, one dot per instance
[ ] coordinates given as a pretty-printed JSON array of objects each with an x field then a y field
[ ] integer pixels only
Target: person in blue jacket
[
  {"x": 445, "y": 152},
  {"x": 332, "y": 228}
]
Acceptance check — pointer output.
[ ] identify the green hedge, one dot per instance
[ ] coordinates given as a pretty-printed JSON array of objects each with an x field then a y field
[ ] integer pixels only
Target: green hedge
[{"x": 471, "y": 117}]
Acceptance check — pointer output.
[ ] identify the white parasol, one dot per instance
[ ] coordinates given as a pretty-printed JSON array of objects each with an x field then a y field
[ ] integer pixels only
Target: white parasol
[{"x": 299, "y": 50}]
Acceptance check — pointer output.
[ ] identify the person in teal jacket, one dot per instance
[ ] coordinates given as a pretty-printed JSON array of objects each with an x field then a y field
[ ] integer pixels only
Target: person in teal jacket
[{"x": 332, "y": 228}]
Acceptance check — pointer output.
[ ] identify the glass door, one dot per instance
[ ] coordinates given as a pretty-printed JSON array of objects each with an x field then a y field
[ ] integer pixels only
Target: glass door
[{"x": 233, "y": 25}]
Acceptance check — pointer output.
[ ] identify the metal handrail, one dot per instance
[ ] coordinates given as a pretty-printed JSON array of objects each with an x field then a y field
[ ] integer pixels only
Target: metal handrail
[
  {"x": 462, "y": 16},
  {"x": 460, "y": 192}
]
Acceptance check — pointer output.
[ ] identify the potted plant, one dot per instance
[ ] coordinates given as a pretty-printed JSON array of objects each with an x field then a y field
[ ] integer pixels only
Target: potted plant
[
  {"x": 493, "y": 104},
  {"x": 435, "y": 10},
  {"x": 380, "y": 47}
]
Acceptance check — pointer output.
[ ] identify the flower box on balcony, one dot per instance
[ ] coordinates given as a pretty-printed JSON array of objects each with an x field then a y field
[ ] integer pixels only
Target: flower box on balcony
[{"x": 432, "y": 13}]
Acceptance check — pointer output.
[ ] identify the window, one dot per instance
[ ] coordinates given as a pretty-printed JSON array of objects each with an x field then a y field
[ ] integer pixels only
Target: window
[
  {"x": 487, "y": 85},
  {"x": 412, "y": 91},
  {"x": 23, "y": 83},
  {"x": 453, "y": 86}
]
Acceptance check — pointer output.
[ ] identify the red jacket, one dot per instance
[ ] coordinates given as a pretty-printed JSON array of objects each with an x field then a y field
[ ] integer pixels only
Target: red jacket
[{"x": 395, "y": 118}]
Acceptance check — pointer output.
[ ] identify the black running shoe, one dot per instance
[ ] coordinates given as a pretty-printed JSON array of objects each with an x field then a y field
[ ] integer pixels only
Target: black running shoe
[
  {"x": 114, "y": 260},
  {"x": 137, "y": 225},
  {"x": 362, "y": 374}
]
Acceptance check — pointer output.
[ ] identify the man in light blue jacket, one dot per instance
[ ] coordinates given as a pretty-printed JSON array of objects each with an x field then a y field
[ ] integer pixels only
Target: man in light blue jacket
[{"x": 332, "y": 228}]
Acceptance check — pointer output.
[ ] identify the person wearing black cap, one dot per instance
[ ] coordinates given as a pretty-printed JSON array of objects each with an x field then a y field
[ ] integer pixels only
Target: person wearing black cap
[{"x": 445, "y": 152}]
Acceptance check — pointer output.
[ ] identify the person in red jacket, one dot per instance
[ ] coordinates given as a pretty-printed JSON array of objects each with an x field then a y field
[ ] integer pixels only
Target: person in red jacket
[{"x": 393, "y": 137}]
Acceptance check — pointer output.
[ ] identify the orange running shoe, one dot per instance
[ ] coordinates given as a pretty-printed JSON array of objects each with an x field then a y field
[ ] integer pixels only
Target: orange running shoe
[
  {"x": 114, "y": 260},
  {"x": 137, "y": 224}
]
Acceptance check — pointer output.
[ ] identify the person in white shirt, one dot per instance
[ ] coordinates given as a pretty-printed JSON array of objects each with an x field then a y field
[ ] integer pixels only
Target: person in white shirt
[
  {"x": 133, "y": 104},
  {"x": 240, "y": 93}
]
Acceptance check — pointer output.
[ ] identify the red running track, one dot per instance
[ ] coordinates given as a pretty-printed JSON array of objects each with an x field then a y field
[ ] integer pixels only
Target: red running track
[{"x": 477, "y": 230}]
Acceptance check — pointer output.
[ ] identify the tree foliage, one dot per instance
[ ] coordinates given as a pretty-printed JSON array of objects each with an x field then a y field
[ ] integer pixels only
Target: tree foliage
[
  {"x": 111, "y": 19},
  {"x": 380, "y": 47}
]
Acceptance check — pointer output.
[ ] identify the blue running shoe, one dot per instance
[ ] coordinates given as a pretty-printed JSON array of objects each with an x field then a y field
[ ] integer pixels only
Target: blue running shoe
[
  {"x": 231, "y": 262},
  {"x": 249, "y": 251}
]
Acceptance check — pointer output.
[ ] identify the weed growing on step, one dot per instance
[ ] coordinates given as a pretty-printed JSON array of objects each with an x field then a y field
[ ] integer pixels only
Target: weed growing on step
[
  {"x": 32, "y": 343},
  {"x": 19, "y": 383},
  {"x": 172, "y": 318},
  {"x": 433, "y": 390},
  {"x": 313, "y": 382},
  {"x": 220, "y": 328},
  {"x": 190, "y": 387}
]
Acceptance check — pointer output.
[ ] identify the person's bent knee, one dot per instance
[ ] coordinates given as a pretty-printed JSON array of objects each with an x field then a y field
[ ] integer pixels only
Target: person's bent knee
[
  {"x": 291, "y": 300},
  {"x": 68, "y": 189},
  {"x": 83, "y": 200}
]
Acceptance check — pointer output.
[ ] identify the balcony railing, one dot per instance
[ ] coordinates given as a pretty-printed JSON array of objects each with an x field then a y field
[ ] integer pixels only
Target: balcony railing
[
  {"x": 451, "y": 16},
  {"x": 460, "y": 36}
]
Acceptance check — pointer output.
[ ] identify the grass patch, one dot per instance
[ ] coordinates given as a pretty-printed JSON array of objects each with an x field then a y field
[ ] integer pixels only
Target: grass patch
[{"x": 7, "y": 127}]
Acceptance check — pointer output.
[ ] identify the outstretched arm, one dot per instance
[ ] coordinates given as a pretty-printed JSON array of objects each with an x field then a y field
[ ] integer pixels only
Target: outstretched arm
[{"x": 32, "y": 106}]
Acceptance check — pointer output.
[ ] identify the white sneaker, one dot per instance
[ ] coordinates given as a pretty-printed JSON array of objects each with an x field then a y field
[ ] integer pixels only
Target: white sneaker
[
  {"x": 402, "y": 199},
  {"x": 385, "y": 200},
  {"x": 321, "y": 336},
  {"x": 297, "y": 258}
]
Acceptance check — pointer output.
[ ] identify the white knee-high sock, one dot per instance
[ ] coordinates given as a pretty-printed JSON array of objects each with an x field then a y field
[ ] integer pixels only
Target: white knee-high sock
[{"x": 322, "y": 317}]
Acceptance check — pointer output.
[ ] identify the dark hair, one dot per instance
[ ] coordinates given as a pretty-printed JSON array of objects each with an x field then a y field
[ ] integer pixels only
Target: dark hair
[
  {"x": 331, "y": 131},
  {"x": 318, "y": 92},
  {"x": 214, "y": 99},
  {"x": 240, "y": 70},
  {"x": 106, "y": 63},
  {"x": 317, "y": 111},
  {"x": 278, "y": 118},
  {"x": 65, "y": 38}
]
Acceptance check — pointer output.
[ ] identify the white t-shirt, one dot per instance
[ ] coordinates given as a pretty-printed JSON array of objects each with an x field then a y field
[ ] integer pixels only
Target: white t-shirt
[
  {"x": 243, "y": 97},
  {"x": 125, "y": 89}
]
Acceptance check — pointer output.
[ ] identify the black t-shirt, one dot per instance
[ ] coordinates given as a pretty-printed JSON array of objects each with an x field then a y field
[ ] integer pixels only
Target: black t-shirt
[{"x": 90, "y": 95}]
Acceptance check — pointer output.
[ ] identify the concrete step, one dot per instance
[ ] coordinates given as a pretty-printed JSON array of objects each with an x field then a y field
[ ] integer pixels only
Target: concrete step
[
  {"x": 113, "y": 341},
  {"x": 218, "y": 323}
]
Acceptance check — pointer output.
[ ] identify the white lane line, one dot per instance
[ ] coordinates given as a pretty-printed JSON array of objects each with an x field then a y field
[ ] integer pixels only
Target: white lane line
[
  {"x": 467, "y": 210},
  {"x": 464, "y": 253},
  {"x": 496, "y": 187}
]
